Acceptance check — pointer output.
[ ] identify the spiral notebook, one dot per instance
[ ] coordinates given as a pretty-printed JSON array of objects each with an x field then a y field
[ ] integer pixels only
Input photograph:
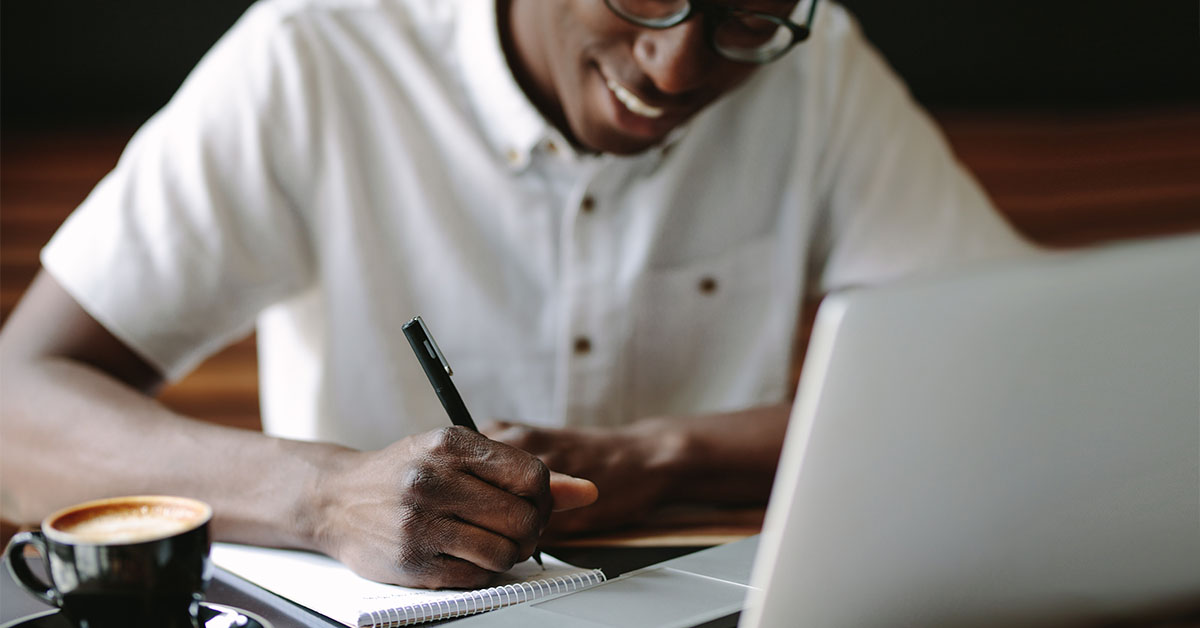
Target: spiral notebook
[{"x": 325, "y": 586}]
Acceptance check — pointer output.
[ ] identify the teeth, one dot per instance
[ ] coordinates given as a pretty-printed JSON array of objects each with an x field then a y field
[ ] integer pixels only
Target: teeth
[{"x": 633, "y": 103}]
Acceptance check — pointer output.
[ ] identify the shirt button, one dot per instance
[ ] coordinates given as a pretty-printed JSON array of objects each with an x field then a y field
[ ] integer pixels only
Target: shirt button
[
  {"x": 588, "y": 204},
  {"x": 512, "y": 156},
  {"x": 707, "y": 285},
  {"x": 582, "y": 345},
  {"x": 551, "y": 147}
]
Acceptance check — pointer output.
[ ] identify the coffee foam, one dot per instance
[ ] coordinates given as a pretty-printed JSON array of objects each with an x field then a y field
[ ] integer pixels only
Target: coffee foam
[{"x": 133, "y": 522}]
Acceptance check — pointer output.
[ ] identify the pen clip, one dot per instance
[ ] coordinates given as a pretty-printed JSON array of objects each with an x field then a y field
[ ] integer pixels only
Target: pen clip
[{"x": 431, "y": 345}]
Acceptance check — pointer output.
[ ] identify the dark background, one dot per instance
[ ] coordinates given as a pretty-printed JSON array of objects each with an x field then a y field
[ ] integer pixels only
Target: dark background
[{"x": 67, "y": 61}]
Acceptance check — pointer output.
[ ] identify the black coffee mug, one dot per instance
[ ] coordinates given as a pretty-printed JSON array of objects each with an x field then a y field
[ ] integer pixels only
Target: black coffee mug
[{"x": 126, "y": 561}]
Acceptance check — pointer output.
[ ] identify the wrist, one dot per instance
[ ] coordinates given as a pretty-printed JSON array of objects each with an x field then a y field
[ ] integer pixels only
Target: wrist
[
  {"x": 313, "y": 509},
  {"x": 669, "y": 452}
]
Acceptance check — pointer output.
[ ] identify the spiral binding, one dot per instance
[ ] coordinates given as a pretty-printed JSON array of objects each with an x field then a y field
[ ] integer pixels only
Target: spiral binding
[{"x": 472, "y": 602}]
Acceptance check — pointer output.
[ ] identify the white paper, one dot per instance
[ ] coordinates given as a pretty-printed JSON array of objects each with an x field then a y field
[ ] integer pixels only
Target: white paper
[{"x": 324, "y": 585}]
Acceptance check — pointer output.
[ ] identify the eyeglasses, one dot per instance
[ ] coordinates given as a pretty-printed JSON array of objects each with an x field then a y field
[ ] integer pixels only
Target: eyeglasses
[{"x": 737, "y": 35}]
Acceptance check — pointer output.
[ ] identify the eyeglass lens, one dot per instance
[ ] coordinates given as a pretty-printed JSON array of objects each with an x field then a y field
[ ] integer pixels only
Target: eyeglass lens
[{"x": 741, "y": 35}]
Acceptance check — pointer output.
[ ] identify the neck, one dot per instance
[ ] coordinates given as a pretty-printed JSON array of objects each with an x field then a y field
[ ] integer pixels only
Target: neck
[{"x": 518, "y": 23}]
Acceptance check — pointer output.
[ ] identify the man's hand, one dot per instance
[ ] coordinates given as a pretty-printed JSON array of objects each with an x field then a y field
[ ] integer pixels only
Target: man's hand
[
  {"x": 718, "y": 459},
  {"x": 448, "y": 508},
  {"x": 628, "y": 467}
]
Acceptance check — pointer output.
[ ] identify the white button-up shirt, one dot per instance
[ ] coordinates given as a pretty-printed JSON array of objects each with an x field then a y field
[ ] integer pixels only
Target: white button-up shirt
[{"x": 334, "y": 167}]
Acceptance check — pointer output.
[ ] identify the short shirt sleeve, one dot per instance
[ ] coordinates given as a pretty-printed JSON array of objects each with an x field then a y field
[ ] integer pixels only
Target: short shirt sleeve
[
  {"x": 197, "y": 229},
  {"x": 896, "y": 201}
]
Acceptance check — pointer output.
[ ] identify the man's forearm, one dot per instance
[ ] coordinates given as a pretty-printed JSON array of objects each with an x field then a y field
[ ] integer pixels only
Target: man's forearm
[
  {"x": 722, "y": 458},
  {"x": 72, "y": 433},
  {"x": 445, "y": 508}
]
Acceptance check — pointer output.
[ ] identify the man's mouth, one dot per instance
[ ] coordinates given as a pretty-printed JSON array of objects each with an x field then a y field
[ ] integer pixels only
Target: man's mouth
[{"x": 632, "y": 102}]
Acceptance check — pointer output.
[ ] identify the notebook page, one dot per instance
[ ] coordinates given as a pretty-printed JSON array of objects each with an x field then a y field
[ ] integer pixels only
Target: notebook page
[{"x": 324, "y": 585}]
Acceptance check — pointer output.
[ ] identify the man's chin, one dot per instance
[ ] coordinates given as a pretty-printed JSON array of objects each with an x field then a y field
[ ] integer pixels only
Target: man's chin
[
  {"x": 611, "y": 142},
  {"x": 629, "y": 149}
]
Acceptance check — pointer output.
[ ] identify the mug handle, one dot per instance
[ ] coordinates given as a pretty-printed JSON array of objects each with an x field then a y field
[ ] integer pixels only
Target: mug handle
[{"x": 14, "y": 559}]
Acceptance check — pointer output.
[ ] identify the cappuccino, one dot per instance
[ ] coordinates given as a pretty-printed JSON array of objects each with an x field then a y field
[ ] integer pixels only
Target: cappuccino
[
  {"x": 129, "y": 520},
  {"x": 120, "y": 562}
]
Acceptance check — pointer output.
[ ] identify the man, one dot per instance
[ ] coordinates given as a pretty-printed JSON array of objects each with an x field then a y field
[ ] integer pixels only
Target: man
[{"x": 608, "y": 211}]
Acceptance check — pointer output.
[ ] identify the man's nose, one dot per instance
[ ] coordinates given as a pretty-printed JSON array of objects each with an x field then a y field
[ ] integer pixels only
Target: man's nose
[{"x": 676, "y": 59}]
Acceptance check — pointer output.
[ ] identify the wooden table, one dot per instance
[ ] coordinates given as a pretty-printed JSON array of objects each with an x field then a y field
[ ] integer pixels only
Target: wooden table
[{"x": 671, "y": 533}]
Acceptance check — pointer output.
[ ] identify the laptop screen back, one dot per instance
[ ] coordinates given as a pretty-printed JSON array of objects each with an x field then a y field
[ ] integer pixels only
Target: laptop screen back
[{"x": 1019, "y": 444}]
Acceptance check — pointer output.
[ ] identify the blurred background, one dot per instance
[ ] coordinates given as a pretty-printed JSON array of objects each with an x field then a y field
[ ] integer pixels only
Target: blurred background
[
  {"x": 65, "y": 61},
  {"x": 1081, "y": 119}
]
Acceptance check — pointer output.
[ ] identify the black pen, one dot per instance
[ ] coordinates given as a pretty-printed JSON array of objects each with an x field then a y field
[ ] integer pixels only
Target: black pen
[{"x": 438, "y": 370}]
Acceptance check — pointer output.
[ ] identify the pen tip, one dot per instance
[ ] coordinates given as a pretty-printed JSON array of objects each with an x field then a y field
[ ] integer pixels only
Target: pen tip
[{"x": 537, "y": 558}]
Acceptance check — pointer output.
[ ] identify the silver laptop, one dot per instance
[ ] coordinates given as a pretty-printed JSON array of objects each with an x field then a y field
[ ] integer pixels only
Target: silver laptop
[{"x": 1017, "y": 444}]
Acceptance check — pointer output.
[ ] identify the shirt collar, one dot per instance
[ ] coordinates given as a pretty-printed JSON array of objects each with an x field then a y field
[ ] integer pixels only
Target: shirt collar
[{"x": 512, "y": 124}]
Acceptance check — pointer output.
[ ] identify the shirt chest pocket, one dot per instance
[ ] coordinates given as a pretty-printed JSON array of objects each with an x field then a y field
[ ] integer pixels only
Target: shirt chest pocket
[{"x": 711, "y": 335}]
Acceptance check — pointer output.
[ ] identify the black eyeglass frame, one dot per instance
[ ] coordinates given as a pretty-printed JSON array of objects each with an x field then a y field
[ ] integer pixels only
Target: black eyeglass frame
[{"x": 714, "y": 14}]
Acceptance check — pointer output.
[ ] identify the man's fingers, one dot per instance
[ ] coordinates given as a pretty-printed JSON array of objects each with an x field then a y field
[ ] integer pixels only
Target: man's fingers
[
  {"x": 496, "y": 463},
  {"x": 483, "y": 548},
  {"x": 571, "y": 492},
  {"x": 451, "y": 572},
  {"x": 498, "y": 511}
]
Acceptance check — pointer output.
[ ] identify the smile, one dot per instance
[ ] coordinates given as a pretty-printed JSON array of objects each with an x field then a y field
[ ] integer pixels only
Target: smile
[{"x": 632, "y": 102}]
